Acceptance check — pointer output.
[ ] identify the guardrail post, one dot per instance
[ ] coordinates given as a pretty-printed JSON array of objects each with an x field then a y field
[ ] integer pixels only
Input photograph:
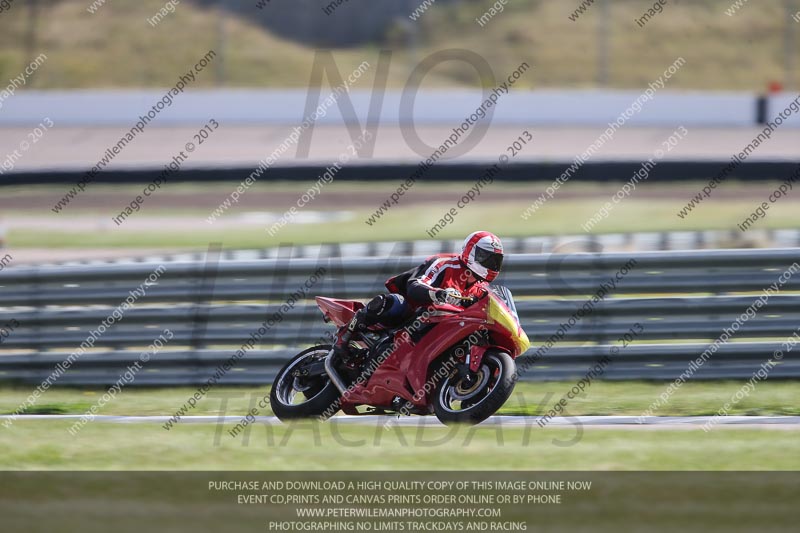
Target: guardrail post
[
  {"x": 278, "y": 283},
  {"x": 37, "y": 306},
  {"x": 203, "y": 296}
]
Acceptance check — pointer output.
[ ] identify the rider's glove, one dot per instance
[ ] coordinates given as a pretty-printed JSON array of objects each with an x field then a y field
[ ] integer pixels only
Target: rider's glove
[{"x": 447, "y": 296}]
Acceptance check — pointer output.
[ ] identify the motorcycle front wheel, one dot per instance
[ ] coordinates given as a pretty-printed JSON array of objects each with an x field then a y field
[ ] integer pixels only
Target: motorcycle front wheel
[{"x": 473, "y": 399}]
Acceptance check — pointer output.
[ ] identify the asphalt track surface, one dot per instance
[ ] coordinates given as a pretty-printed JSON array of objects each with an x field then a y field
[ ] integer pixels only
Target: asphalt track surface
[
  {"x": 609, "y": 422},
  {"x": 235, "y": 145}
]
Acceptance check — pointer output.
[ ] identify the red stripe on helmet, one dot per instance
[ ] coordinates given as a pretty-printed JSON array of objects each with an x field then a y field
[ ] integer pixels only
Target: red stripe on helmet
[{"x": 470, "y": 244}]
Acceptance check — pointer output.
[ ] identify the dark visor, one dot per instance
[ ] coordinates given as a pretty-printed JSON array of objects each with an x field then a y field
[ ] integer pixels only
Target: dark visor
[{"x": 490, "y": 260}]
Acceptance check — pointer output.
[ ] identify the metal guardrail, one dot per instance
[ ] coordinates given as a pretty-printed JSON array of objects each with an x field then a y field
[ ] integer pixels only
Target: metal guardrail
[{"x": 683, "y": 301}]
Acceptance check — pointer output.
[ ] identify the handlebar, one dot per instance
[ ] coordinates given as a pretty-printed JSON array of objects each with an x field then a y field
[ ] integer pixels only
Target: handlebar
[{"x": 468, "y": 300}]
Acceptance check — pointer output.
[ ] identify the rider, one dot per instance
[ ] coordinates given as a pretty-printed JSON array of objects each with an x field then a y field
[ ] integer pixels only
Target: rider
[{"x": 441, "y": 279}]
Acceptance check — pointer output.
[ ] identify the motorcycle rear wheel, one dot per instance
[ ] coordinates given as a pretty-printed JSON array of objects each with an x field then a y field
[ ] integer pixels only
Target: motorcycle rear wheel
[{"x": 319, "y": 397}]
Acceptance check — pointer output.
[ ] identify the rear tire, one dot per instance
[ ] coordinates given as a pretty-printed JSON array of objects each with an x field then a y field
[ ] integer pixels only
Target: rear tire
[
  {"x": 496, "y": 380},
  {"x": 320, "y": 397}
]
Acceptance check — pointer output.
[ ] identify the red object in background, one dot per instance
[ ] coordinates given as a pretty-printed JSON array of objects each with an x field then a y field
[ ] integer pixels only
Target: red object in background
[{"x": 775, "y": 87}]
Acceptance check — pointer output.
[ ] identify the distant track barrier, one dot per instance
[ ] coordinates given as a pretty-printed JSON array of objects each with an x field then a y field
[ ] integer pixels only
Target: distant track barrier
[{"x": 683, "y": 301}]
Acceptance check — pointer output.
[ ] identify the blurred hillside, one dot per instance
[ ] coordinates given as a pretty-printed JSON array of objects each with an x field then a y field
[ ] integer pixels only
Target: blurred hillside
[{"x": 275, "y": 46}]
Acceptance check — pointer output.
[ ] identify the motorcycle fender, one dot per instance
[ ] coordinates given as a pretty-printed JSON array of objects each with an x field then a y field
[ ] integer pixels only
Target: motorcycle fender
[{"x": 476, "y": 356}]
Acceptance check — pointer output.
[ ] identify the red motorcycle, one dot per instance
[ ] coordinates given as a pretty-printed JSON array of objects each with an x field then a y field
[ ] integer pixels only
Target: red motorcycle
[{"x": 454, "y": 361}]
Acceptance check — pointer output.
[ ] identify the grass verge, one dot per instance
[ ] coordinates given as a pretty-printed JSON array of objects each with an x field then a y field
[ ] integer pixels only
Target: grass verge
[
  {"x": 312, "y": 446},
  {"x": 602, "y": 398},
  {"x": 177, "y": 227}
]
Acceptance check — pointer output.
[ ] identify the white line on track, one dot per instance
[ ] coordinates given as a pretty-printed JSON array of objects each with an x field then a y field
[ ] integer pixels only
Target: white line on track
[{"x": 620, "y": 422}]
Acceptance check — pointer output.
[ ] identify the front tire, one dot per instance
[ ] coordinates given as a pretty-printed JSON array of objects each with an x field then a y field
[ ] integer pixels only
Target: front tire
[
  {"x": 293, "y": 398},
  {"x": 455, "y": 402}
]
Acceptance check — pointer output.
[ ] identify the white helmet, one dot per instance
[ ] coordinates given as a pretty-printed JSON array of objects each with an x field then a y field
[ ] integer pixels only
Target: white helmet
[{"x": 483, "y": 254}]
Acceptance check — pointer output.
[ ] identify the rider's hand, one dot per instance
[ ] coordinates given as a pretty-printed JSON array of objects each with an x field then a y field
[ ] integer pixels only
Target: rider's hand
[{"x": 448, "y": 296}]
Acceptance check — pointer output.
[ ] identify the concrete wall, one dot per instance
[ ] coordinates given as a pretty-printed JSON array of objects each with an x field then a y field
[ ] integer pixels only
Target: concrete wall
[{"x": 546, "y": 107}]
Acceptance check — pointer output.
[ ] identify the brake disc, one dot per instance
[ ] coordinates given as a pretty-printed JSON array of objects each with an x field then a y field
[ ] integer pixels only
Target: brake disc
[{"x": 458, "y": 392}]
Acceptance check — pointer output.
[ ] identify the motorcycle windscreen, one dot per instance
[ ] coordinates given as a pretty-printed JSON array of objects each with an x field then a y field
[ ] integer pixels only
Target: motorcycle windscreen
[{"x": 499, "y": 314}]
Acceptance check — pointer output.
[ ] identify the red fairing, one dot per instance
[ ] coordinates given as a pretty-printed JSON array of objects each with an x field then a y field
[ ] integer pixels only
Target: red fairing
[
  {"x": 406, "y": 370},
  {"x": 340, "y": 312},
  {"x": 454, "y": 361}
]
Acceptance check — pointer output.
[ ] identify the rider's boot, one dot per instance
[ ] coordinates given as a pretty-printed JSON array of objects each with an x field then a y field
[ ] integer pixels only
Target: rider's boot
[{"x": 354, "y": 328}]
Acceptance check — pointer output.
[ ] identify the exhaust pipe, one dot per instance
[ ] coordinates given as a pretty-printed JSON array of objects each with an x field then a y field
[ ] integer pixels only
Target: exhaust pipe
[{"x": 337, "y": 381}]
